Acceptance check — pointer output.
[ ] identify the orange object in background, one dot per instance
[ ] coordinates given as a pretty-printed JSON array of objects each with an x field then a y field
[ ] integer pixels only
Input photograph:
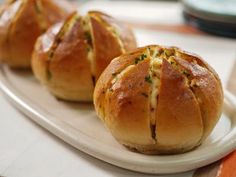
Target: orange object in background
[{"x": 228, "y": 166}]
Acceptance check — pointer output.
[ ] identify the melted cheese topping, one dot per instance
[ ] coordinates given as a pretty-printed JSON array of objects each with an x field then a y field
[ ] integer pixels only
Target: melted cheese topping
[
  {"x": 86, "y": 25},
  {"x": 41, "y": 19},
  {"x": 155, "y": 66}
]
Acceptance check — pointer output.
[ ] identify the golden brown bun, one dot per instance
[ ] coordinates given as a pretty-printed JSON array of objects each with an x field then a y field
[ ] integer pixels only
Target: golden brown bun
[
  {"x": 159, "y": 100},
  {"x": 21, "y": 22},
  {"x": 78, "y": 51}
]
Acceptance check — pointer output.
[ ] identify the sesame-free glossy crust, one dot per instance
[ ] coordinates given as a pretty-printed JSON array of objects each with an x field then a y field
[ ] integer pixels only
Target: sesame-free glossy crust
[
  {"x": 73, "y": 75},
  {"x": 43, "y": 46},
  {"x": 110, "y": 47},
  {"x": 70, "y": 68},
  {"x": 126, "y": 98},
  {"x": 20, "y": 25},
  {"x": 207, "y": 92},
  {"x": 22, "y": 35},
  {"x": 178, "y": 115},
  {"x": 185, "y": 114},
  {"x": 104, "y": 82}
]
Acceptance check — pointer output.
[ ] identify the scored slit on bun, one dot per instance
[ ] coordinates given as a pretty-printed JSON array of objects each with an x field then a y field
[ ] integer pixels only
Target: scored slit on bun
[
  {"x": 159, "y": 100},
  {"x": 69, "y": 57},
  {"x": 21, "y": 22}
]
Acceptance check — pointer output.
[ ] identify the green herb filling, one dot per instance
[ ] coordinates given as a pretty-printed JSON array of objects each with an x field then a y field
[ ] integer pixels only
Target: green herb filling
[
  {"x": 148, "y": 79},
  {"x": 140, "y": 58}
]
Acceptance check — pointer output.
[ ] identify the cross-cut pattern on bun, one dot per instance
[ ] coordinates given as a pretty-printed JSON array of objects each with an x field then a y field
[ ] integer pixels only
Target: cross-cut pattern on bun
[
  {"x": 70, "y": 57},
  {"x": 159, "y": 100},
  {"x": 21, "y": 22}
]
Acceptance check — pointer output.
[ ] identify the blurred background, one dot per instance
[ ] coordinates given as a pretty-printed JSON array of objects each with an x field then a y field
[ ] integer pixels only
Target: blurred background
[{"x": 217, "y": 17}]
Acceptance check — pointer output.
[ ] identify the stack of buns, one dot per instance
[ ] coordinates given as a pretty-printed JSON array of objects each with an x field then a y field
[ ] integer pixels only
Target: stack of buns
[{"x": 154, "y": 99}]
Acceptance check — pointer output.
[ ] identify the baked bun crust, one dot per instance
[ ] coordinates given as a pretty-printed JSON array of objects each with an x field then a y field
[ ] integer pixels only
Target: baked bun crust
[
  {"x": 159, "y": 100},
  {"x": 21, "y": 22},
  {"x": 70, "y": 57}
]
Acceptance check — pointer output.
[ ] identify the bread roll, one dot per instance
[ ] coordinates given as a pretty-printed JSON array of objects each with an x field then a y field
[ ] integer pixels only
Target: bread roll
[
  {"x": 70, "y": 57},
  {"x": 21, "y": 22},
  {"x": 159, "y": 100}
]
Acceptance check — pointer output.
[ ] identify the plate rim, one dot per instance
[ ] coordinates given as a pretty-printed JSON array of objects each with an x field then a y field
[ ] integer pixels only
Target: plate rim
[{"x": 70, "y": 136}]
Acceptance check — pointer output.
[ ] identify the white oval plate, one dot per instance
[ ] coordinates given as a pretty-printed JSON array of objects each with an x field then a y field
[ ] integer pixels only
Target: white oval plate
[{"x": 78, "y": 125}]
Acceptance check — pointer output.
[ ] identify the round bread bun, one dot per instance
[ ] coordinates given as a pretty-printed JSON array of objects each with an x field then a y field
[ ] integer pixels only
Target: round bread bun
[
  {"x": 21, "y": 22},
  {"x": 70, "y": 57},
  {"x": 159, "y": 100}
]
